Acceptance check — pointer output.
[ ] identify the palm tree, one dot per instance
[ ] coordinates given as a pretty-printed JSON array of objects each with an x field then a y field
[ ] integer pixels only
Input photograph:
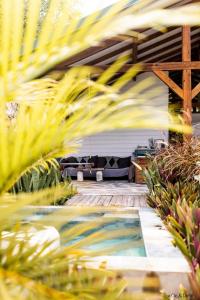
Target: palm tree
[{"x": 50, "y": 118}]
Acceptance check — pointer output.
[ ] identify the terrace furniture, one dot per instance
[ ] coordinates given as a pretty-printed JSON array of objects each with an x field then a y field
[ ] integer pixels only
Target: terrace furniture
[
  {"x": 79, "y": 165},
  {"x": 142, "y": 162},
  {"x": 80, "y": 168},
  {"x": 110, "y": 166},
  {"x": 97, "y": 171}
]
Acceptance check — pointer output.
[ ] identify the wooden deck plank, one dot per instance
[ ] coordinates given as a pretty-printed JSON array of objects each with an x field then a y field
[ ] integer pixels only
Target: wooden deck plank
[
  {"x": 121, "y": 194},
  {"x": 137, "y": 201},
  {"x": 91, "y": 200},
  {"x": 116, "y": 201},
  {"x": 107, "y": 200},
  {"x": 143, "y": 202},
  {"x": 96, "y": 200}
]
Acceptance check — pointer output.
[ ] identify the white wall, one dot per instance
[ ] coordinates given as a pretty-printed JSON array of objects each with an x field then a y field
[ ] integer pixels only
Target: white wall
[{"x": 123, "y": 142}]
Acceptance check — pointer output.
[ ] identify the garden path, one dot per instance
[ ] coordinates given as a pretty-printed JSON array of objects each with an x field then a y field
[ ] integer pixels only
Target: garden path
[{"x": 109, "y": 193}]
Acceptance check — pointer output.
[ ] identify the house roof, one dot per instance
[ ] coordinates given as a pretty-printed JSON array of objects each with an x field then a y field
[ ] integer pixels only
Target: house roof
[{"x": 154, "y": 47}]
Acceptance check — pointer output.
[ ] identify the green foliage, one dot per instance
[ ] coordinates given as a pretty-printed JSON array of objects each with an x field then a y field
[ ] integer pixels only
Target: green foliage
[
  {"x": 177, "y": 200},
  {"x": 37, "y": 179},
  {"x": 179, "y": 162},
  {"x": 185, "y": 228},
  {"x": 42, "y": 178},
  {"x": 163, "y": 196}
]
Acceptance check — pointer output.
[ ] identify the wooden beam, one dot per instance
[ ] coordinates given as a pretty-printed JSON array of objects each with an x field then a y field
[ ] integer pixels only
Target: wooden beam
[
  {"x": 169, "y": 82},
  {"x": 134, "y": 52},
  {"x": 186, "y": 43},
  {"x": 166, "y": 66},
  {"x": 196, "y": 90},
  {"x": 166, "y": 49},
  {"x": 111, "y": 54},
  {"x": 164, "y": 40},
  {"x": 88, "y": 52},
  {"x": 187, "y": 97},
  {"x": 177, "y": 56},
  {"x": 187, "y": 75},
  {"x": 160, "y": 55}
]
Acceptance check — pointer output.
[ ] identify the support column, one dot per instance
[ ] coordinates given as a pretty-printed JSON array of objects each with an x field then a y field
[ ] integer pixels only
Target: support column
[{"x": 187, "y": 75}]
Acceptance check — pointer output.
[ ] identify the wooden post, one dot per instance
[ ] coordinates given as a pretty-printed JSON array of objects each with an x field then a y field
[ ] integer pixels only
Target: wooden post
[
  {"x": 187, "y": 82},
  {"x": 134, "y": 53}
]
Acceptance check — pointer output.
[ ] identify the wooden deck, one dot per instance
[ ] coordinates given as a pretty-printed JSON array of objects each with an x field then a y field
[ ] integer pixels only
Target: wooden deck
[{"x": 119, "y": 193}]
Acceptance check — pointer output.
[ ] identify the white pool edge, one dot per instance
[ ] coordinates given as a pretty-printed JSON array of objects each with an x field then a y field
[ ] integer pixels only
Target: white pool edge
[{"x": 161, "y": 255}]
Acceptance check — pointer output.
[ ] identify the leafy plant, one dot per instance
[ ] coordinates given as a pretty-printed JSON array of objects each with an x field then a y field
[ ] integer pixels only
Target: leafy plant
[
  {"x": 178, "y": 203},
  {"x": 37, "y": 179},
  {"x": 179, "y": 162},
  {"x": 185, "y": 228},
  {"x": 43, "y": 178},
  {"x": 163, "y": 195}
]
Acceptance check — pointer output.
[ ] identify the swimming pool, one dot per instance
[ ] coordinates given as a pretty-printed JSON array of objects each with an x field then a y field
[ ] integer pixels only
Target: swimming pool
[
  {"x": 149, "y": 247},
  {"x": 126, "y": 228}
]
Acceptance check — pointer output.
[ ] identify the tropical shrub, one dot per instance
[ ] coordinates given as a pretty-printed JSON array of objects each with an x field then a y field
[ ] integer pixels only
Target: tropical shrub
[
  {"x": 185, "y": 228},
  {"x": 163, "y": 194},
  {"x": 179, "y": 161},
  {"x": 43, "y": 178},
  {"x": 37, "y": 179},
  {"x": 164, "y": 199},
  {"x": 177, "y": 200}
]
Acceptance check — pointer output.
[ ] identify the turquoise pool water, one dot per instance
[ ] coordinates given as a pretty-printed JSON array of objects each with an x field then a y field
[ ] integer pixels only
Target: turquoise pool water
[{"x": 128, "y": 243}]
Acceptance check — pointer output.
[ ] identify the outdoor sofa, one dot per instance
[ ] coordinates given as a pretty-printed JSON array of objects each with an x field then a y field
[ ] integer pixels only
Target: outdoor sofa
[{"x": 112, "y": 166}]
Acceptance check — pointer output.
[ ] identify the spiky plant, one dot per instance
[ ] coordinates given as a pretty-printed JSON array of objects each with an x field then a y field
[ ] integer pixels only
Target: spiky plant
[
  {"x": 185, "y": 228},
  {"x": 50, "y": 117},
  {"x": 179, "y": 161}
]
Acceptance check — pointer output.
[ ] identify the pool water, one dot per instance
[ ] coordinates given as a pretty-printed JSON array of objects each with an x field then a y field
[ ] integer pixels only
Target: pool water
[
  {"x": 132, "y": 243},
  {"x": 128, "y": 243}
]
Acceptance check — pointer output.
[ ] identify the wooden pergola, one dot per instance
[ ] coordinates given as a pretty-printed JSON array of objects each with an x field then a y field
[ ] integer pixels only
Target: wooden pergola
[{"x": 178, "y": 49}]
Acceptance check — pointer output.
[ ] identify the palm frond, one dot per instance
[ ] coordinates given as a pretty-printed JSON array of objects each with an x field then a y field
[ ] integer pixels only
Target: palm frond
[
  {"x": 79, "y": 107},
  {"x": 31, "y": 46}
]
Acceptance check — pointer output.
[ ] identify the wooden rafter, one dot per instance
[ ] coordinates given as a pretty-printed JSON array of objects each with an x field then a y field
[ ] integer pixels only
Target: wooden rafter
[
  {"x": 196, "y": 90},
  {"x": 168, "y": 52},
  {"x": 174, "y": 33},
  {"x": 169, "y": 82},
  {"x": 175, "y": 45},
  {"x": 166, "y": 66}
]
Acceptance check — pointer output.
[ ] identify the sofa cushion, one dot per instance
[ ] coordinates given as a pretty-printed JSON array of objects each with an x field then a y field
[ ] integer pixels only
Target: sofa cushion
[
  {"x": 70, "y": 159},
  {"x": 124, "y": 162},
  {"x": 101, "y": 162},
  {"x": 109, "y": 173},
  {"x": 89, "y": 159},
  {"x": 111, "y": 162},
  {"x": 107, "y": 162}
]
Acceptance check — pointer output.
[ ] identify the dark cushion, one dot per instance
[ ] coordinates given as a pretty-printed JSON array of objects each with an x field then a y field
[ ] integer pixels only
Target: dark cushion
[
  {"x": 89, "y": 159},
  {"x": 101, "y": 162},
  {"x": 94, "y": 160},
  {"x": 112, "y": 162},
  {"x": 70, "y": 160},
  {"x": 124, "y": 162}
]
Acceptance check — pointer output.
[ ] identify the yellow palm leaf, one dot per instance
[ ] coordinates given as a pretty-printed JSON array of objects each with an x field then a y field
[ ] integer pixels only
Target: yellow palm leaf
[
  {"x": 31, "y": 46},
  {"x": 62, "y": 113}
]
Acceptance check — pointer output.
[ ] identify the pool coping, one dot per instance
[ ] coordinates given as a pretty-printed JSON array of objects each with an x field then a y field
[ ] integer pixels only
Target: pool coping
[{"x": 161, "y": 255}]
